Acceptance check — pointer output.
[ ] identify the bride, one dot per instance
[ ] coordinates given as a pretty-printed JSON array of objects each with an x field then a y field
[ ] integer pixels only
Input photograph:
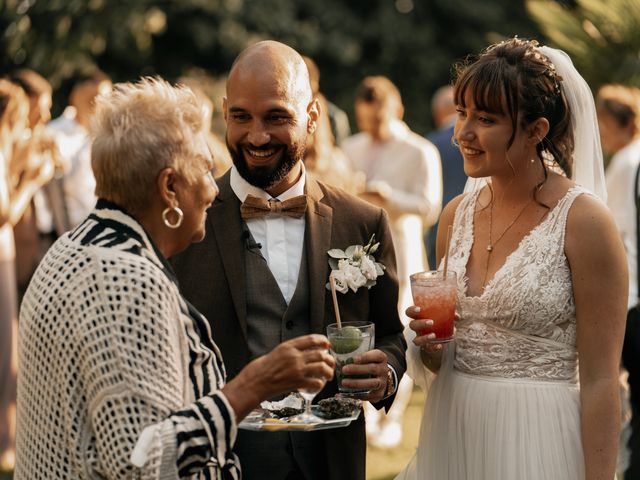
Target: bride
[{"x": 542, "y": 283}]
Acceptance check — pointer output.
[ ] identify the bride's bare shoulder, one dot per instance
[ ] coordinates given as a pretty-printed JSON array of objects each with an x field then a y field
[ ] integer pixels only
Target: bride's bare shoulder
[{"x": 590, "y": 227}]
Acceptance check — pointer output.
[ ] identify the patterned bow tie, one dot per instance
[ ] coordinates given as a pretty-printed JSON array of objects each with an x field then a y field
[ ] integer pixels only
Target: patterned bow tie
[{"x": 254, "y": 207}]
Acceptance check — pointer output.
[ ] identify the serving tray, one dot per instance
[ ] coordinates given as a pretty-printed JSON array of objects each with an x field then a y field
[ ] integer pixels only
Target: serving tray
[{"x": 259, "y": 420}]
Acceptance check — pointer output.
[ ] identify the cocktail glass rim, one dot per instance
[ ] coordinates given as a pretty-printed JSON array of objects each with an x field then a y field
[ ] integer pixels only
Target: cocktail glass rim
[
  {"x": 429, "y": 275},
  {"x": 355, "y": 323}
]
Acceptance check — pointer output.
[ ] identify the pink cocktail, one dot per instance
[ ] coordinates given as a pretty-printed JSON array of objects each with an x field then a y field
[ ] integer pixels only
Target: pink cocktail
[{"x": 436, "y": 297}]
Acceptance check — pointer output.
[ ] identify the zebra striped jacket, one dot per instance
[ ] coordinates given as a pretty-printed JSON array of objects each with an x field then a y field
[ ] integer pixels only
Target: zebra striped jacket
[{"x": 119, "y": 377}]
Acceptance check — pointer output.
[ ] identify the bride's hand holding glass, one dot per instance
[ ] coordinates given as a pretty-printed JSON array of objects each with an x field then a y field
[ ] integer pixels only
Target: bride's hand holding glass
[{"x": 430, "y": 351}]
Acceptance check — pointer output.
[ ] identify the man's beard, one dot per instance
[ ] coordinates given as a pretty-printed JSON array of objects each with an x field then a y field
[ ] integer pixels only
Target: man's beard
[{"x": 267, "y": 176}]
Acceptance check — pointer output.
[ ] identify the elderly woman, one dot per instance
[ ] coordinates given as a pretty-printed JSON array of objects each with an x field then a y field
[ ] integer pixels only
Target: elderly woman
[{"x": 119, "y": 376}]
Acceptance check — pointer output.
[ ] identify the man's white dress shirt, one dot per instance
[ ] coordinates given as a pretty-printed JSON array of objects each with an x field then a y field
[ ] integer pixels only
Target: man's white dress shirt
[{"x": 281, "y": 237}]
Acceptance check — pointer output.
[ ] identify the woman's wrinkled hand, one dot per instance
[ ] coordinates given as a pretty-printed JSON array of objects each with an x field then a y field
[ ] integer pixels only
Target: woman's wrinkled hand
[{"x": 302, "y": 362}]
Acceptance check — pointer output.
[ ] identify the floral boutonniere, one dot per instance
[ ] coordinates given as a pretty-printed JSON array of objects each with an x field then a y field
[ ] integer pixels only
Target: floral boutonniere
[{"x": 355, "y": 267}]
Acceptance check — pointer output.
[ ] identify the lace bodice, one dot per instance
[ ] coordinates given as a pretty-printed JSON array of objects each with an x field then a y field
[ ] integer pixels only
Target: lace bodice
[{"x": 524, "y": 323}]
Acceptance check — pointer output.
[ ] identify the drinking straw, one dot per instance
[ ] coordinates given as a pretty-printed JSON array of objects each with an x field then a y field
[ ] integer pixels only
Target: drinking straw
[
  {"x": 332, "y": 282},
  {"x": 446, "y": 250}
]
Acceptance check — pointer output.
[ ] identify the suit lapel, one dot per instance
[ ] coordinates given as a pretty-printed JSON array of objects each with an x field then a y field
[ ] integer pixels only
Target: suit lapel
[
  {"x": 318, "y": 241},
  {"x": 227, "y": 227}
]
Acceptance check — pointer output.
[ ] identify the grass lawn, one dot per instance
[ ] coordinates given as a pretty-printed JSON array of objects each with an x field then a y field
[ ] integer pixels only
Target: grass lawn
[{"x": 385, "y": 464}]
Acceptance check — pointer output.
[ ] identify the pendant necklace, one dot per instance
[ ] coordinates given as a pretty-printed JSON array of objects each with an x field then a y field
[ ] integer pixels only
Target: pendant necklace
[{"x": 492, "y": 243}]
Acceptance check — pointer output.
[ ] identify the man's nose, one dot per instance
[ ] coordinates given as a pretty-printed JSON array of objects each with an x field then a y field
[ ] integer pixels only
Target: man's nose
[{"x": 258, "y": 134}]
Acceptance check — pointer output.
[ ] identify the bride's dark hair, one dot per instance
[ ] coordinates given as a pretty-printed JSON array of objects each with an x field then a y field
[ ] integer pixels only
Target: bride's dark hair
[{"x": 514, "y": 78}]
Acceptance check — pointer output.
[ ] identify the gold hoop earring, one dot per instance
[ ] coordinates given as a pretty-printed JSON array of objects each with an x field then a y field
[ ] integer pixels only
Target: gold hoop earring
[{"x": 165, "y": 217}]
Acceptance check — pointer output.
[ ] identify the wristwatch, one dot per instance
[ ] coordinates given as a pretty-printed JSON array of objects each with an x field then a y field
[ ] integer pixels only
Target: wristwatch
[{"x": 390, "y": 386}]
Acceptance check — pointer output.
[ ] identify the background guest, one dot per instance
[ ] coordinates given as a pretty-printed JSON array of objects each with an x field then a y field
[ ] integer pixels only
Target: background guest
[
  {"x": 71, "y": 195},
  {"x": 619, "y": 119},
  {"x": 403, "y": 176},
  {"x": 338, "y": 119},
  {"x": 325, "y": 161},
  {"x": 443, "y": 110},
  {"x": 19, "y": 181},
  {"x": 37, "y": 150}
]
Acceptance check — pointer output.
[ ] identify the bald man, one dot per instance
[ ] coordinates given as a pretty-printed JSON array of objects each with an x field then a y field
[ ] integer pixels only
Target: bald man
[{"x": 261, "y": 280}]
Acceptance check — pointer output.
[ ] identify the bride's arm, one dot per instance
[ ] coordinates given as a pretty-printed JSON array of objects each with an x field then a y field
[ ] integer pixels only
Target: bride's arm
[{"x": 600, "y": 287}]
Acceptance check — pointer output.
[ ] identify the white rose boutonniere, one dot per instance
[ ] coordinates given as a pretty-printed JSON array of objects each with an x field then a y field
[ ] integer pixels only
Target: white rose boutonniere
[{"x": 355, "y": 267}]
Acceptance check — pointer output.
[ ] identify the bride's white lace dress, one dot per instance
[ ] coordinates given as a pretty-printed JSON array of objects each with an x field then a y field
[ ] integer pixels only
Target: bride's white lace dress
[{"x": 505, "y": 405}]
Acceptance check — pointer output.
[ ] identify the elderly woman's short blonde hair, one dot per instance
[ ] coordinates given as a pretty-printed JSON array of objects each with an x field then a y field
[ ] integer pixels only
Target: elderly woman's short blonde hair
[{"x": 138, "y": 130}]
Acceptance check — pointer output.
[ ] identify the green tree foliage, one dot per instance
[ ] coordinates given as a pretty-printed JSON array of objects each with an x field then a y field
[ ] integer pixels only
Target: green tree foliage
[
  {"x": 413, "y": 42},
  {"x": 602, "y": 38}
]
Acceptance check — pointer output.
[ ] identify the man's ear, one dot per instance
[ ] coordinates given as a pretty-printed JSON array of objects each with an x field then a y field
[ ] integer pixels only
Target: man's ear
[
  {"x": 538, "y": 130},
  {"x": 224, "y": 108},
  {"x": 313, "y": 111},
  {"x": 166, "y": 183}
]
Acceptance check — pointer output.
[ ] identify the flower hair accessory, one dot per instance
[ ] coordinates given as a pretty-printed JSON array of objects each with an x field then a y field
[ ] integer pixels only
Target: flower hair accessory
[{"x": 355, "y": 267}]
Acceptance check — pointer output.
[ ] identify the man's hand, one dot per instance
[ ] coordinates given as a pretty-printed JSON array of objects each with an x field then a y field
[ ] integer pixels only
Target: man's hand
[{"x": 374, "y": 364}]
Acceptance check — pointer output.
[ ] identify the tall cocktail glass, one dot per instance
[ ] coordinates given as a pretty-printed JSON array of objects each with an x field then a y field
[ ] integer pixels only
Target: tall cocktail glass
[
  {"x": 348, "y": 341},
  {"x": 436, "y": 296}
]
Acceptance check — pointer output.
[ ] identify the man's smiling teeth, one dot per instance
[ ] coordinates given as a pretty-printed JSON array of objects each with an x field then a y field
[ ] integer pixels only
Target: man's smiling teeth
[{"x": 261, "y": 153}]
